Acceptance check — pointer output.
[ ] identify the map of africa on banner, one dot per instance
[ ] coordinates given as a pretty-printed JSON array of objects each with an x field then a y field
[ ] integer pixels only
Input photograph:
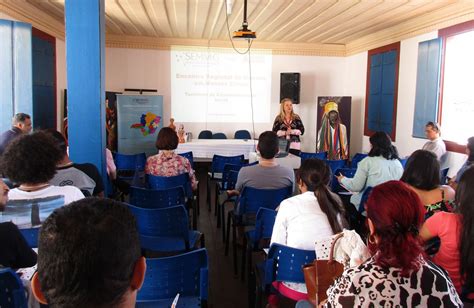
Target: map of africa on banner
[{"x": 139, "y": 121}]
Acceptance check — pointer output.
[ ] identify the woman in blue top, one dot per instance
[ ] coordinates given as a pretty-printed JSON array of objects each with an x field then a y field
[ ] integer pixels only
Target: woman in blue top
[{"x": 380, "y": 166}]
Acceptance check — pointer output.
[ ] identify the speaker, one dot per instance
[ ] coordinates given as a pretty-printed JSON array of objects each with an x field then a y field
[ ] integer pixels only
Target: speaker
[{"x": 290, "y": 86}]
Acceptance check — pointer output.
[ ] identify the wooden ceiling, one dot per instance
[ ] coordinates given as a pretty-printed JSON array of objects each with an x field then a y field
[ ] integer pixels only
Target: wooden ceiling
[{"x": 329, "y": 27}]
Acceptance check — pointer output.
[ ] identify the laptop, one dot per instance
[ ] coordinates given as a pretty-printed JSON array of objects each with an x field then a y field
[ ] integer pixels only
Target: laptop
[{"x": 283, "y": 146}]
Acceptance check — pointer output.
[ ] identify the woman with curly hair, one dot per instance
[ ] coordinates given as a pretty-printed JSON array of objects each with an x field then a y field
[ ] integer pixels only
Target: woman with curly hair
[
  {"x": 397, "y": 274},
  {"x": 30, "y": 162}
]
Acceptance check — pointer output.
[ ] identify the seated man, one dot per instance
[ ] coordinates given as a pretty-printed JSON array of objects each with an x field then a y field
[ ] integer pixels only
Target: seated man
[
  {"x": 267, "y": 174},
  {"x": 434, "y": 144},
  {"x": 21, "y": 124},
  {"x": 86, "y": 177},
  {"x": 97, "y": 265},
  {"x": 15, "y": 252}
]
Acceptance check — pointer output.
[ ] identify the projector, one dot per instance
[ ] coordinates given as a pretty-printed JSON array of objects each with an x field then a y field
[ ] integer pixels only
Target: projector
[{"x": 244, "y": 34}]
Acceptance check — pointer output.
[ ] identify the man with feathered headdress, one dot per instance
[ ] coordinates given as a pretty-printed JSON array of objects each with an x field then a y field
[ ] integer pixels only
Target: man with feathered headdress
[{"x": 332, "y": 137}]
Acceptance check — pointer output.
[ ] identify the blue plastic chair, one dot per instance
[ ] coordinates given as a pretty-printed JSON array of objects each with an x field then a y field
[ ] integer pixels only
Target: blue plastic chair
[
  {"x": 283, "y": 264},
  {"x": 335, "y": 164},
  {"x": 166, "y": 182},
  {"x": 242, "y": 134},
  {"x": 165, "y": 229},
  {"x": 217, "y": 168},
  {"x": 205, "y": 134},
  {"x": 219, "y": 136},
  {"x": 347, "y": 172},
  {"x": 130, "y": 167},
  {"x": 443, "y": 176},
  {"x": 31, "y": 236},
  {"x": 249, "y": 202},
  {"x": 403, "y": 161},
  {"x": 189, "y": 156},
  {"x": 320, "y": 155},
  {"x": 157, "y": 198},
  {"x": 364, "y": 198},
  {"x": 356, "y": 159},
  {"x": 258, "y": 238},
  {"x": 186, "y": 274},
  {"x": 227, "y": 182},
  {"x": 12, "y": 292}
]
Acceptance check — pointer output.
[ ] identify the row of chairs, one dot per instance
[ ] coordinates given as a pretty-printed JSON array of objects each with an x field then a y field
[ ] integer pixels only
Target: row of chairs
[
  {"x": 186, "y": 274},
  {"x": 240, "y": 134}
]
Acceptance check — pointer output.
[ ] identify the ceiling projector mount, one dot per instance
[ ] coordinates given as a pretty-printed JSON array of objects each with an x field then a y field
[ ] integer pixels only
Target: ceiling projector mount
[{"x": 244, "y": 33}]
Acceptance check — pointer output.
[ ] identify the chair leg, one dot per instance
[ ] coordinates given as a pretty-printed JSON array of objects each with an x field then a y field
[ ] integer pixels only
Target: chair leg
[
  {"x": 244, "y": 253},
  {"x": 208, "y": 197},
  {"x": 217, "y": 210},
  {"x": 216, "y": 187},
  {"x": 193, "y": 207},
  {"x": 234, "y": 247},
  {"x": 203, "y": 242},
  {"x": 249, "y": 260},
  {"x": 222, "y": 212},
  {"x": 226, "y": 251},
  {"x": 198, "y": 198}
]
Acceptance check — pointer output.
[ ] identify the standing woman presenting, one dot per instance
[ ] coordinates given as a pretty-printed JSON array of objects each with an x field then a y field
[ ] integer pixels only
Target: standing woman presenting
[{"x": 288, "y": 125}]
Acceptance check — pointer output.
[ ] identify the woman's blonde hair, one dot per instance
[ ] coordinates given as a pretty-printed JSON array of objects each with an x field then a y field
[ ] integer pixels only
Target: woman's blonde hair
[{"x": 282, "y": 110}]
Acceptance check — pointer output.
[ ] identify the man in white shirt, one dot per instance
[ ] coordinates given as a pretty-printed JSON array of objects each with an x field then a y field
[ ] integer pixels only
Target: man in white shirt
[{"x": 435, "y": 144}]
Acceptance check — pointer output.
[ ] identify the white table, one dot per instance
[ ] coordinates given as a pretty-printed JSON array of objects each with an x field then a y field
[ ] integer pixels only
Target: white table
[
  {"x": 206, "y": 148},
  {"x": 290, "y": 161}
]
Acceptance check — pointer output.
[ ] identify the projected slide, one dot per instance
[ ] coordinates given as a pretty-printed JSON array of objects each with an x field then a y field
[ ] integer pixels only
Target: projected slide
[{"x": 212, "y": 85}]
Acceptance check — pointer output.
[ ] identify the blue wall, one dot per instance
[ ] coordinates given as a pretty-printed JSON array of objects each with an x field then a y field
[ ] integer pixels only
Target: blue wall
[{"x": 16, "y": 84}]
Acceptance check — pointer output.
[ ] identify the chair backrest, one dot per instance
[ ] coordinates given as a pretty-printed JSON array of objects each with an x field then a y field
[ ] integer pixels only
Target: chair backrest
[
  {"x": 219, "y": 136},
  {"x": 219, "y": 161},
  {"x": 189, "y": 156},
  {"x": 157, "y": 198},
  {"x": 356, "y": 159},
  {"x": 347, "y": 172},
  {"x": 205, "y": 134},
  {"x": 264, "y": 224},
  {"x": 186, "y": 274},
  {"x": 31, "y": 236},
  {"x": 306, "y": 155},
  {"x": 443, "y": 176},
  {"x": 252, "y": 199},
  {"x": 130, "y": 161},
  {"x": 403, "y": 161},
  {"x": 242, "y": 134},
  {"x": 335, "y": 164},
  {"x": 12, "y": 293},
  {"x": 286, "y": 263},
  {"x": 165, "y": 182},
  {"x": 228, "y": 178},
  {"x": 8, "y": 183},
  {"x": 169, "y": 222}
]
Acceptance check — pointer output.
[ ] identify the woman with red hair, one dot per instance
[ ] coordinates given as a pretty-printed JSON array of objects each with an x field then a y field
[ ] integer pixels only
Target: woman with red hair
[{"x": 398, "y": 273}]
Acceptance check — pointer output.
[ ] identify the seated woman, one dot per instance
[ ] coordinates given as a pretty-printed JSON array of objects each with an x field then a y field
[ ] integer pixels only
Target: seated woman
[
  {"x": 381, "y": 165},
  {"x": 397, "y": 275},
  {"x": 315, "y": 214},
  {"x": 30, "y": 162},
  {"x": 422, "y": 175},
  {"x": 456, "y": 231},
  {"x": 167, "y": 162}
]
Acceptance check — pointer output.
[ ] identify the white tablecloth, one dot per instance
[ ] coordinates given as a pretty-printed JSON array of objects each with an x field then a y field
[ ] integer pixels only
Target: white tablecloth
[
  {"x": 290, "y": 161},
  {"x": 206, "y": 148}
]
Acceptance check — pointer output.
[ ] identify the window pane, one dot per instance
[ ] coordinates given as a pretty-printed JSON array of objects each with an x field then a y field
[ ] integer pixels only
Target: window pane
[{"x": 458, "y": 91}]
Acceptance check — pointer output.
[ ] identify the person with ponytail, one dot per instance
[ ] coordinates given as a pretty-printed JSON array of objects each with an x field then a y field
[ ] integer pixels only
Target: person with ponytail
[
  {"x": 397, "y": 274},
  {"x": 313, "y": 215},
  {"x": 456, "y": 233}
]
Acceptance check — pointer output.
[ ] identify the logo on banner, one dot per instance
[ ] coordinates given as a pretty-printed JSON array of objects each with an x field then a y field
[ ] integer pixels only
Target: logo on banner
[{"x": 148, "y": 123}]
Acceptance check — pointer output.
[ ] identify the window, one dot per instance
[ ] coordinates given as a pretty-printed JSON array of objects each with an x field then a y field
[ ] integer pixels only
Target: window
[
  {"x": 457, "y": 85},
  {"x": 382, "y": 90}
]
